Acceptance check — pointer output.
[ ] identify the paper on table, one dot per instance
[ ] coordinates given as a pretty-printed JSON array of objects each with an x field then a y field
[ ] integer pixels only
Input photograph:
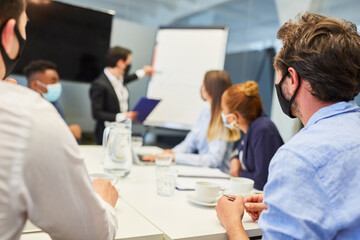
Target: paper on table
[
  {"x": 187, "y": 177},
  {"x": 202, "y": 172}
]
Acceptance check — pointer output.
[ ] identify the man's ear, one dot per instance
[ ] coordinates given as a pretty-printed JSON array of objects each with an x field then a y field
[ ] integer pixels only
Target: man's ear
[
  {"x": 295, "y": 80},
  {"x": 32, "y": 85},
  {"x": 7, "y": 35}
]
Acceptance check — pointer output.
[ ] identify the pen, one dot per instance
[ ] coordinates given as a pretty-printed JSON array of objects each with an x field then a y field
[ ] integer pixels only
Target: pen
[{"x": 230, "y": 198}]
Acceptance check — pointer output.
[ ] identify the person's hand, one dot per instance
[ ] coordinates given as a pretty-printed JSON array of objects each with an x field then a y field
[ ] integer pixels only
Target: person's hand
[
  {"x": 149, "y": 158},
  {"x": 230, "y": 214},
  {"x": 235, "y": 167},
  {"x": 254, "y": 205},
  {"x": 152, "y": 157},
  {"x": 11, "y": 80},
  {"x": 148, "y": 70},
  {"x": 106, "y": 191},
  {"x": 132, "y": 115},
  {"x": 75, "y": 130}
]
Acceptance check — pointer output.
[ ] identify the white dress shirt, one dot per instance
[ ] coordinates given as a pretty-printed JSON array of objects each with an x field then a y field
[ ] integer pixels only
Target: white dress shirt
[
  {"x": 121, "y": 91},
  {"x": 42, "y": 175}
]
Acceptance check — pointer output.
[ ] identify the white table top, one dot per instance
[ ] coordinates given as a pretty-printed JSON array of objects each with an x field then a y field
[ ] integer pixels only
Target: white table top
[
  {"x": 142, "y": 214},
  {"x": 176, "y": 216}
]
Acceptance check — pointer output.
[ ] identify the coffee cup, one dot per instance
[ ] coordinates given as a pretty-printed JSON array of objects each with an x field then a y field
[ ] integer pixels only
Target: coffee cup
[
  {"x": 241, "y": 186},
  {"x": 207, "y": 192}
]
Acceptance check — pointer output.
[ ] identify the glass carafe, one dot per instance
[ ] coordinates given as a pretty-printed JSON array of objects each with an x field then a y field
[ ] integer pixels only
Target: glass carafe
[{"x": 117, "y": 144}]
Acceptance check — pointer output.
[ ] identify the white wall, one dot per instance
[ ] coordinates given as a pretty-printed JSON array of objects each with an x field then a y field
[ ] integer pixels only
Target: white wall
[
  {"x": 140, "y": 40},
  {"x": 287, "y": 127}
]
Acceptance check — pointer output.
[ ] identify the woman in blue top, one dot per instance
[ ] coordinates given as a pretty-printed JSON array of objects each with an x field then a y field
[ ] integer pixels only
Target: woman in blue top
[
  {"x": 242, "y": 109},
  {"x": 209, "y": 143}
]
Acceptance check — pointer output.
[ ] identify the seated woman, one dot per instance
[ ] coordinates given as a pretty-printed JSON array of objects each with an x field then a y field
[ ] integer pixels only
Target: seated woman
[
  {"x": 209, "y": 143},
  {"x": 242, "y": 109}
]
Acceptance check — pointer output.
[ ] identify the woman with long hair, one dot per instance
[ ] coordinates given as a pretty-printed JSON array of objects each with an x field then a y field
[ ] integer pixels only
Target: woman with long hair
[
  {"x": 209, "y": 143},
  {"x": 242, "y": 109}
]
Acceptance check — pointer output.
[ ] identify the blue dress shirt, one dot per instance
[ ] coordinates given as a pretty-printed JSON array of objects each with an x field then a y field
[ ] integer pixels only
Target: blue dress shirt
[
  {"x": 313, "y": 189},
  {"x": 214, "y": 154},
  {"x": 58, "y": 108}
]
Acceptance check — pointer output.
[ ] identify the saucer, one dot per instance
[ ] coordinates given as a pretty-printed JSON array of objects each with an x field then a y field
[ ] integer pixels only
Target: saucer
[
  {"x": 192, "y": 198},
  {"x": 112, "y": 179}
]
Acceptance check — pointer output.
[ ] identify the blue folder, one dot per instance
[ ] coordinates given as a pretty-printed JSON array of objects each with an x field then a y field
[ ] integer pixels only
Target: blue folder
[{"x": 144, "y": 107}]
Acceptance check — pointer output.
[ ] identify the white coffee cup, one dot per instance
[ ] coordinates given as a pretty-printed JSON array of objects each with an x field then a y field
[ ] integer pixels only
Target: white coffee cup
[
  {"x": 241, "y": 186},
  {"x": 207, "y": 192}
]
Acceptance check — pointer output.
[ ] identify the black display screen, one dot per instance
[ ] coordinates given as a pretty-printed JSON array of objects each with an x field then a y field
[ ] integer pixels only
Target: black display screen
[{"x": 75, "y": 38}]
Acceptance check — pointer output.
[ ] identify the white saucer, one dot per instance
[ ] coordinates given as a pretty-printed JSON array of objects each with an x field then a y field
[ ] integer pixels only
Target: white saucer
[
  {"x": 111, "y": 178},
  {"x": 192, "y": 198}
]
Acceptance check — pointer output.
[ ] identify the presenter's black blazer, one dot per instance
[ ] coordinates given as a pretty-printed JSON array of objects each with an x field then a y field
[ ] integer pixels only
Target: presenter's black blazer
[{"x": 104, "y": 102}]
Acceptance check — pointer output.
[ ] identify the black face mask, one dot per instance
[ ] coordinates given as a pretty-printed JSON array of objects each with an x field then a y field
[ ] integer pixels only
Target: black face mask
[
  {"x": 284, "y": 103},
  {"x": 10, "y": 63},
  {"x": 127, "y": 69}
]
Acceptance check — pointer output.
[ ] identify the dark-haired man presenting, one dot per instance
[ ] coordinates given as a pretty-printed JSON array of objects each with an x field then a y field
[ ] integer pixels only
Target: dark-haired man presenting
[
  {"x": 108, "y": 93},
  {"x": 42, "y": 175},
  {"x": 314, "y": 180}
]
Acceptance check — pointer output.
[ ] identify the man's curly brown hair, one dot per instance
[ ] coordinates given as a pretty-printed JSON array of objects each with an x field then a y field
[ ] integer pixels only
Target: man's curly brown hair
[
  {"x": 11, "y": 9},
  {"x": 325, "y": 52}
]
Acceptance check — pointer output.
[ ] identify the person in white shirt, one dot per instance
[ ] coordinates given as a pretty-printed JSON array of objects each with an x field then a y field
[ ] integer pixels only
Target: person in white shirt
[
  {"x": 108, "y": 93},
  {"x": 42, "y": 175}
]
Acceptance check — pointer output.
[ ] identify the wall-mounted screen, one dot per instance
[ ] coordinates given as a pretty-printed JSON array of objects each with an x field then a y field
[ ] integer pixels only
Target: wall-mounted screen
[{"x": 73, "y": 37}]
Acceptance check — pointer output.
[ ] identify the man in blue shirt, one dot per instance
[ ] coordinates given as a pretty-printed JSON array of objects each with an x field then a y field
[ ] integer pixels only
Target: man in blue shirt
[{"x": 314, "y": 180}]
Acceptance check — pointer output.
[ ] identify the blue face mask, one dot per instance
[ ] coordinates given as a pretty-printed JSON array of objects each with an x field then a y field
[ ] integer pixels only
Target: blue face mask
[
  {"x": 226, "y": 124},
  {"x": 53, "y": 92}
]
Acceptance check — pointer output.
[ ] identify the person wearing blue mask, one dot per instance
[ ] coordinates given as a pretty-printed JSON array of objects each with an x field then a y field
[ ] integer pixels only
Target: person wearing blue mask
[
  {"x": 42, "y": 77},
  {"x": 242, "y": 109}
]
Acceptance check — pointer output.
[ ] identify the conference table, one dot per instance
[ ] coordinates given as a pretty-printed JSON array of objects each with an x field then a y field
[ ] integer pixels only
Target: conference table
[{"x": 142, "y": 214}]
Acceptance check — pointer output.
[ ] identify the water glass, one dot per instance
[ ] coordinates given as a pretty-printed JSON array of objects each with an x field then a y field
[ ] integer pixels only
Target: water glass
[
  {"x": 165, "y": 175},
  {"x": 166, "y": 181},
  {"x": 136, "y": 143}
]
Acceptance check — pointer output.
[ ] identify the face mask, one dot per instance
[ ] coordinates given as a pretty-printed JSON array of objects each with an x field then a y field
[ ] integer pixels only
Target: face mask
[
  {"x": 53, "y": 92},
  {"x": 127, "y": 69},
  {"x": 226, "y": 124},
  {"x": 10, "y": 63},
  {"x": 284, "y": 103}
]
